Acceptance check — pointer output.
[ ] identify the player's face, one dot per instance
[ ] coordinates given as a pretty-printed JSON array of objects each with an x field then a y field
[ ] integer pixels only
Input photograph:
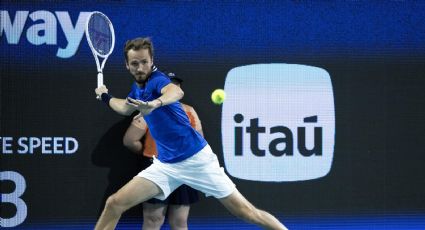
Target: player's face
[{"x": 139, "y": 64}]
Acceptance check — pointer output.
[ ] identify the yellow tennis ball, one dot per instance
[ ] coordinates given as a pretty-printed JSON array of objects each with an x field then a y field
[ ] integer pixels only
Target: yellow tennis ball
[{"x": 218, "y": 96}]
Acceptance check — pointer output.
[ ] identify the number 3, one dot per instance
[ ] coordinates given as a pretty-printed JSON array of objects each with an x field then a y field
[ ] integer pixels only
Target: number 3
[{"x": 21, "y": 207}]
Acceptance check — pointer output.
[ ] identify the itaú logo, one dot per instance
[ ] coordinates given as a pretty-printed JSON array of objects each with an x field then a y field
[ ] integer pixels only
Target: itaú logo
[
  {"x": 42, "y": 29},
  {"x": 278, "y": 122}
]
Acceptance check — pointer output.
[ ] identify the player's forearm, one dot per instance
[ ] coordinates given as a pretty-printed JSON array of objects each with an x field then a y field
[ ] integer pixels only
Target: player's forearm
[
  {"x": 120, "y": 106},
  {"x": 169, "y": 96},
  {"x": 168, "y": 99}
]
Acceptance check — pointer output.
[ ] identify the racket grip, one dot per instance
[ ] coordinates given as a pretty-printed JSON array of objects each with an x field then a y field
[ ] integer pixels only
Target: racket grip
[
  {"x": 99, "y": 79},
  {"x": 99, "y": 82}
]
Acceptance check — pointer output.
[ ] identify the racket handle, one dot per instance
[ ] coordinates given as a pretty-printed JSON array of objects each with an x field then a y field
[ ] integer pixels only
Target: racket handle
[
  {"x": 99, "y": 79},
  {"x": 99, "y": 82}
]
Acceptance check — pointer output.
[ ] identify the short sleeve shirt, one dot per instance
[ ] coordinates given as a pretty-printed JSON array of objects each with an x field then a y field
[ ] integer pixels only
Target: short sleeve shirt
[{"x": 169, "y": 125}]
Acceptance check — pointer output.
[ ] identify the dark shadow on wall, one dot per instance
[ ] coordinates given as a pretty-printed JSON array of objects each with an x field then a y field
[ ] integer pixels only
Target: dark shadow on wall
[{"x": 123, "y": 164}]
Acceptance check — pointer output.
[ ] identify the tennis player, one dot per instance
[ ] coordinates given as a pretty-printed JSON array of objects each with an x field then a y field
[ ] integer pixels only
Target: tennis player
[
  {"x": 177, "y": 205},
  {"x": 184, "y": 155}
]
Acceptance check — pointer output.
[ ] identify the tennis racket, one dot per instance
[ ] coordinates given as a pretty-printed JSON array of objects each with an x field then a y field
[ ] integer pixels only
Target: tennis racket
[{"x": 101, "y": 39}]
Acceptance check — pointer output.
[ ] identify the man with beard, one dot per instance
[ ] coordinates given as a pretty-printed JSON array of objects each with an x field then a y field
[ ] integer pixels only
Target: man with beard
[
  {"x": 176, "y": 207},
  {"x": 184, "y": 156}
]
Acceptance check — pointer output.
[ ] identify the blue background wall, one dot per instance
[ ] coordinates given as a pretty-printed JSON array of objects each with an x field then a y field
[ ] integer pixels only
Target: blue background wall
[{"x": 373, "y": 51}]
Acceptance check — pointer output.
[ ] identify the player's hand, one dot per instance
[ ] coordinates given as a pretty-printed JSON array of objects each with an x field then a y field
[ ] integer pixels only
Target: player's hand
[
  {"x": 144, "y": 107},
  {"x": 100, "y": 90}
]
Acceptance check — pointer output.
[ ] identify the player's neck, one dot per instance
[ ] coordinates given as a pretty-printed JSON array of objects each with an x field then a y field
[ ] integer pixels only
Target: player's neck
[{"x": 143, "y": 84}]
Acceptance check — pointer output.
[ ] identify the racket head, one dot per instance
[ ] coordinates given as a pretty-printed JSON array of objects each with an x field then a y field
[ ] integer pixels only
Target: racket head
[{"x": 100, "y": 34}]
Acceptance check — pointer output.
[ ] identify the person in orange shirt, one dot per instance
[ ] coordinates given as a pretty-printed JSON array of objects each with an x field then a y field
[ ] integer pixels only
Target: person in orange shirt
[{"x": 139, "y": 140}]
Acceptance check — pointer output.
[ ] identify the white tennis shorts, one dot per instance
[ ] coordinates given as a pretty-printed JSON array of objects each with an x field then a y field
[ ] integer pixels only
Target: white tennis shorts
[{"x": 201, "y": 172}]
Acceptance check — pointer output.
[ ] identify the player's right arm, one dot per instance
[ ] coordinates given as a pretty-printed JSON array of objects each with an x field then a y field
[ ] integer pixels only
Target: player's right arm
[{"x": 117, "y": 104}]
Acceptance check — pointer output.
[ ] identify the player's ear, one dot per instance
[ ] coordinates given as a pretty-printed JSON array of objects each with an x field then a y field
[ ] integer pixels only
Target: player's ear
[{"x": 126, "y": 65}]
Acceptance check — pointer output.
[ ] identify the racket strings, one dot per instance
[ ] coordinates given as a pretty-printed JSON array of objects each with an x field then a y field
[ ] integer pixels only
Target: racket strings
[{"x": 100, "y": 34}]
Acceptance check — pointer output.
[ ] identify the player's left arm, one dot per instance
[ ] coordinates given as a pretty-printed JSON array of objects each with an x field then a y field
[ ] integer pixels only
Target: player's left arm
[{"x": 169, "y": 94}]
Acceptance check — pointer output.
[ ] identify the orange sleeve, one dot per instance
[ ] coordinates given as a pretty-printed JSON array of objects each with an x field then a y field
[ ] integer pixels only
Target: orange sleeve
[
  {"x": 191, "y": 119},
  {"x": 149, "y": 145},
  {"x": 195, "y": 122}
]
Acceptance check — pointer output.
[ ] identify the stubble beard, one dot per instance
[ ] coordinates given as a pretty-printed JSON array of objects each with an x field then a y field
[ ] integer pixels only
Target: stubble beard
[{"x": 141, "y": 78}]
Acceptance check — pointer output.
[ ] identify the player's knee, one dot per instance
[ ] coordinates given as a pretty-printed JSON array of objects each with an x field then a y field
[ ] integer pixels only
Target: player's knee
[
  {"x": 178, "y": 222},
  {"x": 153, "y": 221},
  {"x": 113, "y": 204}
]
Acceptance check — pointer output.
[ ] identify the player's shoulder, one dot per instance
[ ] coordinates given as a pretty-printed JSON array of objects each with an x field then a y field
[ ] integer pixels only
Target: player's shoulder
[
  {"x": 158, "y": 74},
  {"x": 158, "y": 78}
]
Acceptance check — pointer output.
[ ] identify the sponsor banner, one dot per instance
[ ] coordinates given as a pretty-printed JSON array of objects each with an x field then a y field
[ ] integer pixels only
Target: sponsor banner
[{"x": 278, "y": 122}]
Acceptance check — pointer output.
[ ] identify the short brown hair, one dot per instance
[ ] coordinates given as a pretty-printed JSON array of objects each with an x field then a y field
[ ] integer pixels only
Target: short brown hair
[{"x": 137, "y": 44}]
